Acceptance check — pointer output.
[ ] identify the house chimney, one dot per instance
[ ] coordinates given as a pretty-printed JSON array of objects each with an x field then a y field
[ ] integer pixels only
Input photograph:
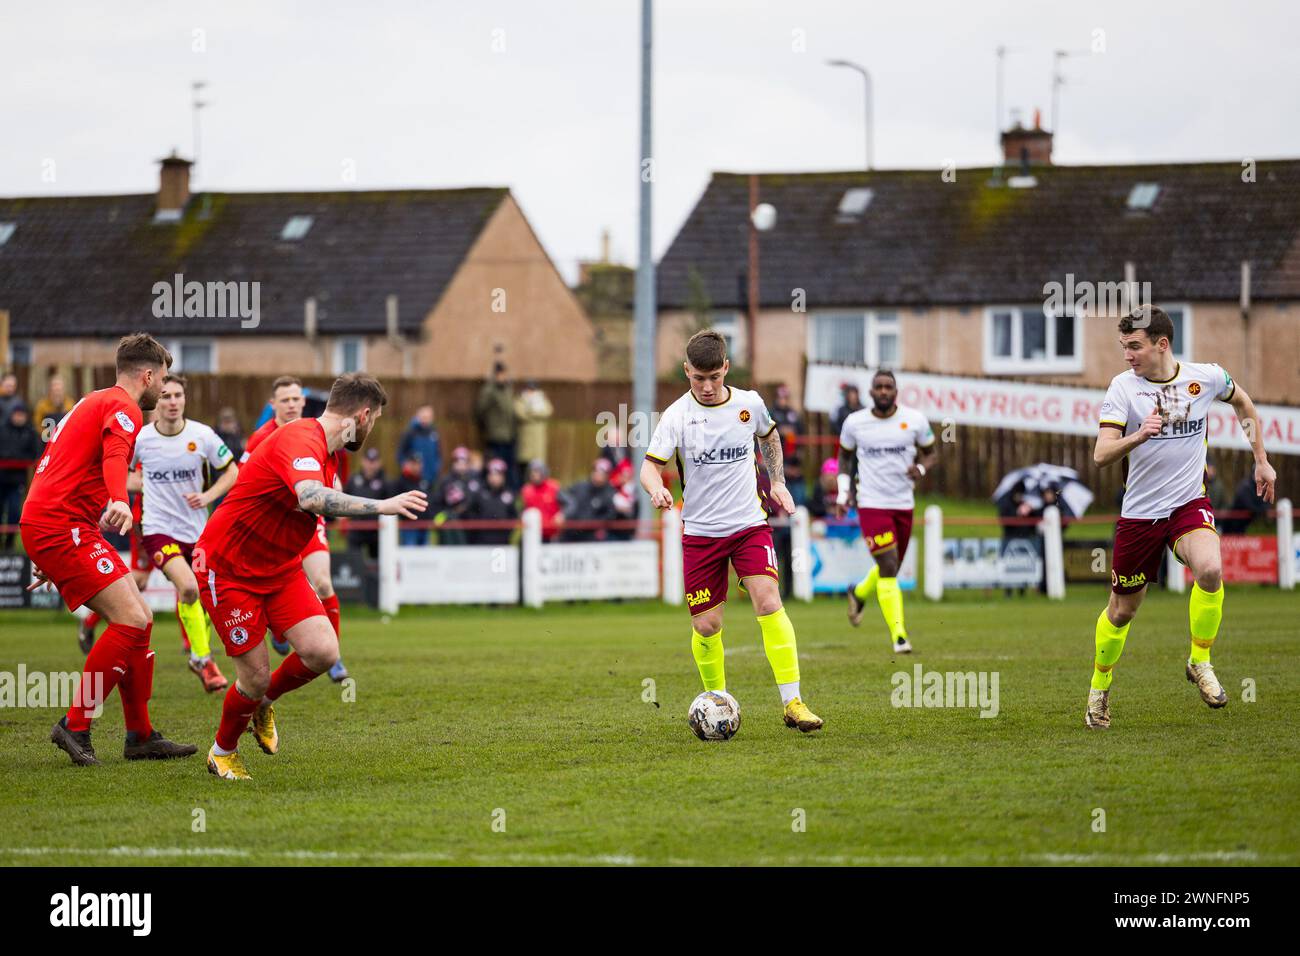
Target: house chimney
[
  {"x": 173, "y": 186},
  {"x": 1027, "y": 147}
]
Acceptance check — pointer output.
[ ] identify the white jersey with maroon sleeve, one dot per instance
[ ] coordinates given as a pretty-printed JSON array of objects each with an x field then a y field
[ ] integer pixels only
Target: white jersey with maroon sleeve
[
  {"x": 886, "y": 449},
  {"x": 714, "y": 446},
  {"x": 1167, "y": 470},
  {"x": 171, "y": 468}
]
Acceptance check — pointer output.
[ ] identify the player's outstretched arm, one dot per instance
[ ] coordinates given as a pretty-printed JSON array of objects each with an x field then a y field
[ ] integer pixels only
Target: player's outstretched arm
[
  {"x": 774, "y": 459},
  {"x": 1248, "y": 415},
  {"x": 653, "y": 482},
  {"x": 314, "y": 497}
]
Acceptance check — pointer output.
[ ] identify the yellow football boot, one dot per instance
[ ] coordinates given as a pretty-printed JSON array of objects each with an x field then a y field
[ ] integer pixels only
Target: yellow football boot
[
  {"x": 227, "y": 766},
  {"x": 798, "y": 715},
  {"x": 262, "y": 727}
]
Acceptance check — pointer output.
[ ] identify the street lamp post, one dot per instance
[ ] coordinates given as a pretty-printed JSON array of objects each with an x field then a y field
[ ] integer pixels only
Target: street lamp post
[{"x": 866, "y": 78}]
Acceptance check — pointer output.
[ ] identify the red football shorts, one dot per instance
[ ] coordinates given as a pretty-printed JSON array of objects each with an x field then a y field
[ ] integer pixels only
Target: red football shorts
[
  {"x": 318, "y": 542},
  {"x": 1140, "y": 543},
  {"x": 161, "y": 548},
  {"x": 77, "y": 560},
  {"x": 705, "y": 560},
  {"x": 241, "y": 611},
  {"x": 885, "y": 528}
]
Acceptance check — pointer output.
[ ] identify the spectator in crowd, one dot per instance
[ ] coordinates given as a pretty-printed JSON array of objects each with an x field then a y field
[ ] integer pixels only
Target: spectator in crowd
[
  {"x": 495, "y": 412},
  {"x": 9, "y": 396},
  {"x": 1214, "y": 488},
  {"x": 450, "y": 498},
  {"x": 493, "y": 500},
  {"x": 411, "y": 478},
  {"x": 790, "y": 424},
  {"x": 542, "y": 492},
  {"x": 19, "y": 444},
  {"x": 421, "y": 438},
  {"x": 591, "y": 500},
  {"x": 851, "y": 402},
  {"x": 532, "y": 411},
  {"x": 369, "y": 482},
  {"x": 1245, "y": 499},
  {"x": 51, "y": 409},
  {"x": 619, "y": 456},
  {"x": 228, "y": 431},
  {"x": 822, "y": 503}
]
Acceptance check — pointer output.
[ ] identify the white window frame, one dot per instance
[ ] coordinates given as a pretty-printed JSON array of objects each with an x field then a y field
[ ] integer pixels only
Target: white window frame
[
  {"x": 178, "y": 364},
  {"x": 875, "y": 322},
  {"x": 338, "y": 352},
  {"x": 1015, "y": 365},
  {"x": 1183, "y": 344}
]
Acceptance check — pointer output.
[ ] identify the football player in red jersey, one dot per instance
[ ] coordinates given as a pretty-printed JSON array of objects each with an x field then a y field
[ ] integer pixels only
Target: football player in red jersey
[
  {"x": 249, "y": 567},
  {"x": 78, "y": 491},
  {"x": 287, "y": 404}
]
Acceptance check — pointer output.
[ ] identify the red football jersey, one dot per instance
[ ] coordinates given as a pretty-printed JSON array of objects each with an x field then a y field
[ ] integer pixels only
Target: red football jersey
[
  {"x": 268, "y": 428},
  {"x": 259, "y": 531},
  {"x": 69, "y": 488}
]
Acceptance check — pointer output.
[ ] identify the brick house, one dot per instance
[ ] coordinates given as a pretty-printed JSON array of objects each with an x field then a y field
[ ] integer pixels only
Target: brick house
[
  {"x": 948, "y": 272},
  {"x": 431, "y": 283}
]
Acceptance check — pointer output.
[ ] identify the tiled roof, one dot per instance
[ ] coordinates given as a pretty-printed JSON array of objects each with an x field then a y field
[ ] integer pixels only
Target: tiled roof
[
  {"x": 924, "y": 241},
  {"x": 87, "y": 265}
]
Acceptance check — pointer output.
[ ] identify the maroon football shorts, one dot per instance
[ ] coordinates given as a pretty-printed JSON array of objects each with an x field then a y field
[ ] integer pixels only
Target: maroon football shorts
[
  {"x": 1140, "y": 543},
  {"x": 704, "y": 560}
]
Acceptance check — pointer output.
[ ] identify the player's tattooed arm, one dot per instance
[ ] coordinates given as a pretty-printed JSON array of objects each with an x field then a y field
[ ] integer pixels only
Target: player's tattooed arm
[
  {"x": 773, "y": 459},
  {"x": 313, "y": 496}
]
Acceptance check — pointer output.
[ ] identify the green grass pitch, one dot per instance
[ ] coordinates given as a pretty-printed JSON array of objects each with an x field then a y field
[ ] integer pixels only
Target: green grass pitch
[{"x": 508, "y": 736}]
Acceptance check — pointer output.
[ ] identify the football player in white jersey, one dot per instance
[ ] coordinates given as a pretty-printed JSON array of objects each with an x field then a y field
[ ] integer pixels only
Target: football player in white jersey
[
  {"x": 1153, "y": 419},
  {"x": 710, "y": 431},
  {"x": 173, "y": 453},
  {"x": 888, "y": 448}
]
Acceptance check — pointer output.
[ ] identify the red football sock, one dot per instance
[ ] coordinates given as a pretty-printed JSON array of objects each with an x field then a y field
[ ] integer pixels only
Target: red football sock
[
  {"x": 135, "y": 689},
  {"x": 236, "y": 712},
  {"x": 106, "y": 664},
  {"x": 332, "y": 612},
  {"x": 91, "y": 621},
  {"x": 290, "y": 675}
]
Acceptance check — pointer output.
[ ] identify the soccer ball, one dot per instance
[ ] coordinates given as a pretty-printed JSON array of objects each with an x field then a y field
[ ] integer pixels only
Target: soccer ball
[{"x": 714, "y": 715}]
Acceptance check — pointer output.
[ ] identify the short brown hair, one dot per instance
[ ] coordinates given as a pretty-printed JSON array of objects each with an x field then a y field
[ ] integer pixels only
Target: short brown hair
[
  {"x": 1152, "y": 320},
  {"x": 141, "y": 350},
  {"x": 706, "y": 350},
  {"x": 284, "y": 380},
  {"x": 178, "y": 379},
  {"x": 354, "y": 391}
]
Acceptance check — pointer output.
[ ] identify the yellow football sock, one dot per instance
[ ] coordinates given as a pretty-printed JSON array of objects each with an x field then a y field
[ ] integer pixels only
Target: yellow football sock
[
  {"x": 1205, "y": 611},
  {"x": 779, "y": 644},
  {"x": 195, "y": 623},
  {"x": 708, "y": 658},
  {"x": 1110, "y": 644},
  {"x": 890, "y": 597},
  {"x": 867, "y": 586}
]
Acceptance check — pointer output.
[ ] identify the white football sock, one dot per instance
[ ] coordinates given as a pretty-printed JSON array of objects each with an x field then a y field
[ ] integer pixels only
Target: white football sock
[{"x": 788, "y": 692}]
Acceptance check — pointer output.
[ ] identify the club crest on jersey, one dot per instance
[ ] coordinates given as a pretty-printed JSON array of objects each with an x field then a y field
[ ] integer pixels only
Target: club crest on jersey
[
  {"x": 124, "y": 420},
  {"x": 744, "y": 414},
  {"x": 306, "y": 464},
  {"x": 191, "y": 447},
  {"x": 238, "y": 636},
  {"x": 1194, "y": 388}
]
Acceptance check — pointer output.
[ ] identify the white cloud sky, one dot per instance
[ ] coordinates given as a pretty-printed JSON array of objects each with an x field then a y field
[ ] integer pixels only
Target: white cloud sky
[{"x": 414, "y": 95}]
